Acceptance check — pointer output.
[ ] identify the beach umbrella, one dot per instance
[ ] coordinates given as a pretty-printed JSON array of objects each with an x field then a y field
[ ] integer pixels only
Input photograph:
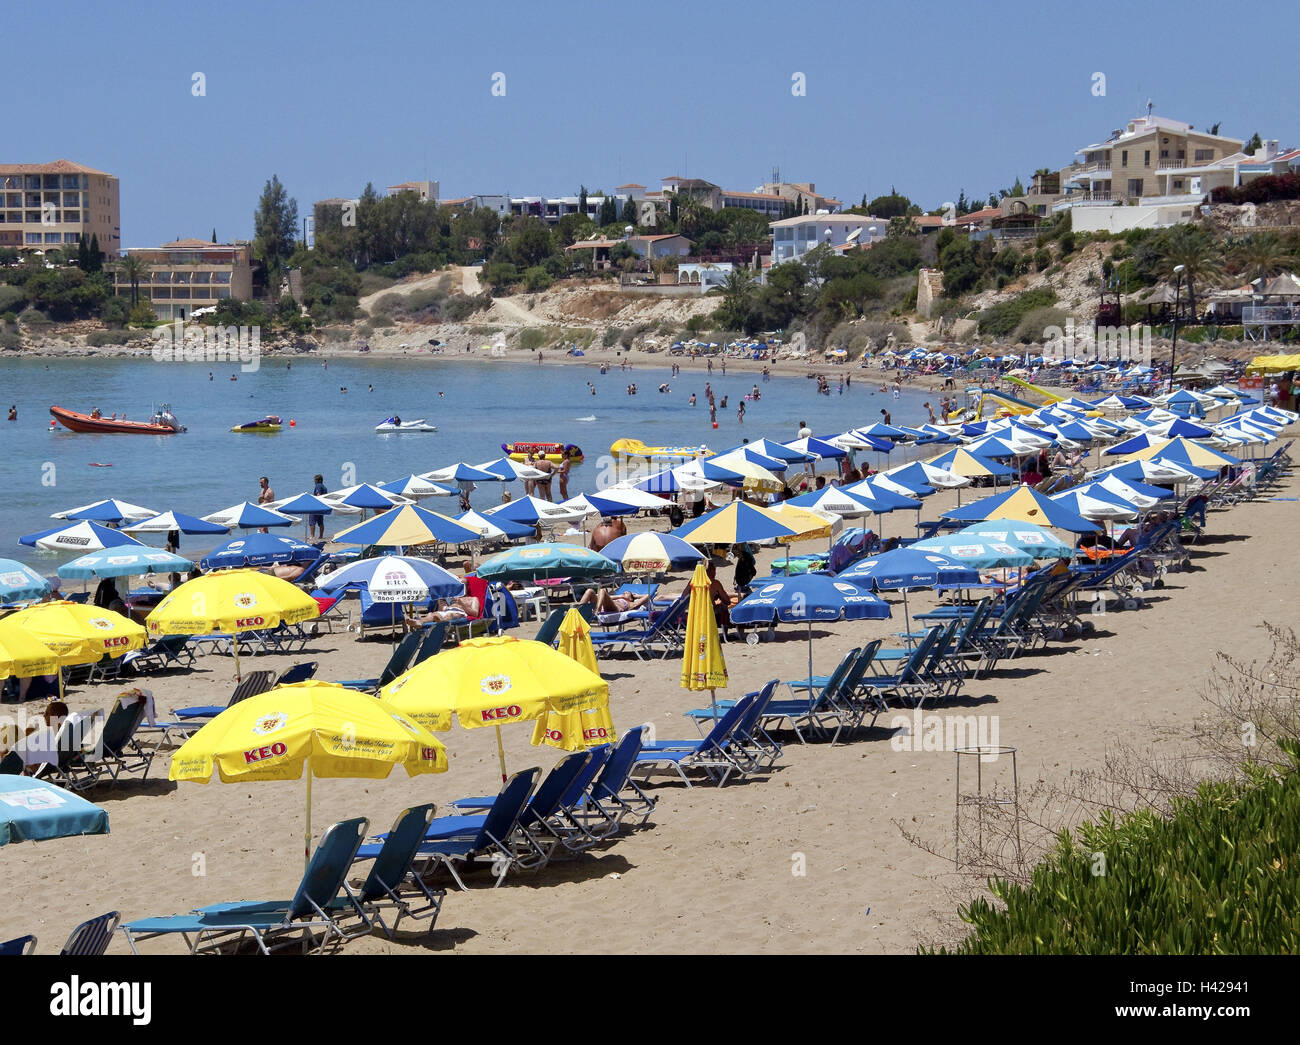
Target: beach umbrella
[
  {"x": 493, "y": 529},
  {"x": 33, "y": 810},
  {"x": 460, "y": 472},
  {"x": 575, "y": 640},
  {"x": 872, "y": 488},
  {"x": 394, "y": 578},
  {"x": 499, "y": 680},
  {"x": 258, "y": 549},
  {"x": 19, "y": 583},
  {"x": 612, "y": 509},
  {"x": 772, "y": 450},
  {"x": 908, "y": 569},
  {"x": 1182, "y": 427},
  {"x": 839, "y": 500},
  {"x": 364, "y": 497},
  {"x": 621, "y": 496},
  {"x": 808, "y": 597},
  {"x": 305, "y": 504},
  {"x": 406, "y": 526},
  {"x": 735, "y": 523},
  {"x": 247, "y": 516},
  {"x": 994, "y": 446},
  {"x": 1096, "y": 504},
  {"x": 650, "y": 552},
  {"x": 533, "y": 511},
  {"x": 23, "y": 655},
  {"x": 123, "y": 562},
  {"x": 533, "y": 561},
  {"x": 855, "y": 440},
  {"x": 703, "y": 666},
  {"x": 922, "y": 476},
  {"x": 818, "y": 448},
  {"x": 78, "y": 634},
  {"x": 107, "y": 511},
  {"x": 1134, "y": 492},
  {"x": 325, "y": 728},
  {"x": 748, "y": 475},
  {"x": 231, "y": 601},
  {"x": 962, "y": 462},
  {"x": 1023, "y": 536},
  {"x": 415, "y": 486},
  {"x": 1181, "y": 451},
  {"x": 1157, "y": 472},
  {"x": 979, "y": 553},
  {"x": 79, "y": 537},
  {"x": 506, "y": 469},
  {"x": 169, "y": 521},
  {"x": 808, "y": 523},
  {"x": 1023, "y": 504}
]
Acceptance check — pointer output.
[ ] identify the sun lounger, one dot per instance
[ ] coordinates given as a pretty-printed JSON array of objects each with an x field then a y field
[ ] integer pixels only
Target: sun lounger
[
  {"x": 311, "y": 917},
  {"x": 662, "y": 635},
  {"x": 394, "y": 881},
  {"x": 495, "y": 838},
  {"x": 90, "y": 938},
  {"x": 398, "y": 663},
  {"x": 709, "y": 754},
  {"x": 21, "y": 945},
  {"x": 161, "y": 654},
  {"x": 550, "y": 629},
  {"x": 253, "y": 683}
]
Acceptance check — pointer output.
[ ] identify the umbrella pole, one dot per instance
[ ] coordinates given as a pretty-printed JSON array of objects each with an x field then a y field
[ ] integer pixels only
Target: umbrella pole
[
  {"x": 810, "y": 653},
  {"x": 234, "y": 645},
  {"x": 501, "y": 755},
  {"x": 306, "y": 838}
]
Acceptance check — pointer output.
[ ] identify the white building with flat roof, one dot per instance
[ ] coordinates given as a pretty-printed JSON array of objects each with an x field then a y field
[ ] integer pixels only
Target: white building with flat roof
[{"x": 794, "y": 237}]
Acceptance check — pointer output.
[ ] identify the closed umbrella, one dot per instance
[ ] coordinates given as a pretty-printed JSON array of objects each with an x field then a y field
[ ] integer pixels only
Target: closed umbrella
[
  {"x": 575, "y": 640},
  {"x": 703, "y": 666}
]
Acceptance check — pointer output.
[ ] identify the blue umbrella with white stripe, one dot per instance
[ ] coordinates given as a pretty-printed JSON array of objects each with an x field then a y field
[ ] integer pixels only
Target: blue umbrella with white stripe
[
  {"x": 248, "y": 516},
  {"x": 258, "y": 549},
  {"x": 107, "y": 511},
  {"x": 79, "y": 537}
]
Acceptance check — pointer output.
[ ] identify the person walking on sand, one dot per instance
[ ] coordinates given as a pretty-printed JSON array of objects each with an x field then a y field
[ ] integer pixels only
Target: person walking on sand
[{"x": 266, "y": 496}]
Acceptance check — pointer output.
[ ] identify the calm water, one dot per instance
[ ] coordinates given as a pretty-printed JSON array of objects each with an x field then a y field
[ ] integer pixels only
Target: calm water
[{"x": 476, "y": 407}]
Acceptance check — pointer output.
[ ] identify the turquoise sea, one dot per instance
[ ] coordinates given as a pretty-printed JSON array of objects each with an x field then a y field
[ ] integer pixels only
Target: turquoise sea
[{"x": 476, "y": 406}]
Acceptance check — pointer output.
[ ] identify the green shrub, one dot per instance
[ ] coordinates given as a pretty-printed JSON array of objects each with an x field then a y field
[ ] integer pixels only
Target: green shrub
[
  {"x": 1004, "y": 317},
  {"x": 533, "y": 338},
  {"x": 612, "y": 334},
  {"x": 1219, "y": 876},
  {"x": 537, "y": 279},
  {"x": 98, "y": 338},
  {"x": 11, "y": 298}
]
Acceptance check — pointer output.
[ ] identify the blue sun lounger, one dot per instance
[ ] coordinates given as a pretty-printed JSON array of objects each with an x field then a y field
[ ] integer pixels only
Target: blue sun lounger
[{"x": 312, "y": 915}]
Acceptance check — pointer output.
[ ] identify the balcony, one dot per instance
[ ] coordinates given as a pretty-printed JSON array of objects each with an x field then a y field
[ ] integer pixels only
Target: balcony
[
  {"x": 1268, "y": 314},
  {"x": 1087, "y": 199},
  {"x": 1166, "y": 165}
]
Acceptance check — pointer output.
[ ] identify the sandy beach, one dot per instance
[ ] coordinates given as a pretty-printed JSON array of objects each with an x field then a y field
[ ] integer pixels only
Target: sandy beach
[{"x": 715, "y": 870}]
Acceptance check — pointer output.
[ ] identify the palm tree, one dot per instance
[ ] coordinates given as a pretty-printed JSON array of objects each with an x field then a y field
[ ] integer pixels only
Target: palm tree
[
  {"x": 1261, "y": 256},
  {"x": 133, "y": 269},
  {"x": 1196, "y": 252}
]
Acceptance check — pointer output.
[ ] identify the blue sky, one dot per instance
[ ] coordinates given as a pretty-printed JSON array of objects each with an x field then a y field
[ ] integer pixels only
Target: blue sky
[{"x": 929, "y": 97}]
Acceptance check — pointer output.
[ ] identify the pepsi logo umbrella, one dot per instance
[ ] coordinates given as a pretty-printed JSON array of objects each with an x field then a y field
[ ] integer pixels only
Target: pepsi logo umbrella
[
  {"x": 259, "y": 549},
  {"x": 907, "y": 569},
  {"x": 808, "y": 597}
]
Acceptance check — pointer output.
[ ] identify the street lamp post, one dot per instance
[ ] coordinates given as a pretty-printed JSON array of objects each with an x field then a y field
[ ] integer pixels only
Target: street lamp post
[{"x": 1173, "y": 348}]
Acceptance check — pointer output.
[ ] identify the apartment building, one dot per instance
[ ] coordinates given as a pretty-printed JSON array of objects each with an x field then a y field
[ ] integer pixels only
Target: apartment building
[
  {"x": 794, "y": 237},
  {"x": 48, "y": 205},
  {"x": 190, "y": 274},
  {"x": 1134, "y": 163}
]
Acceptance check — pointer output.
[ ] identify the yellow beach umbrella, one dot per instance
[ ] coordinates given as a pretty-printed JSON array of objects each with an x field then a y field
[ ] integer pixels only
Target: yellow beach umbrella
[
  {"x": 78, "y": 634},
  {"x": 807, "y": 523},
  {"x": 1196, "y": 454},
  {"x": 575, "y": 641},
  {"x": 231, "y": 601},
  {"x": 703, "y": 666},
  {"x": 330, "y": 730},
  {"x": 498, "y": 680},
  {"x": 23, "y": 656}
]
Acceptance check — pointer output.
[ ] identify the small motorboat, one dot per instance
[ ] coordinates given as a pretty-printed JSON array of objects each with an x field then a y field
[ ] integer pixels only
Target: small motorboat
[
  {"x": 264, "y": 425},
  {"x": 396, "y": 424},
  {"x": 163, "y": 422}
]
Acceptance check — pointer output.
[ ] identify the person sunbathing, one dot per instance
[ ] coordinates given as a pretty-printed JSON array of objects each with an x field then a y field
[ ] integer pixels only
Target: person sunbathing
[
  {"x": 607, "y": 602},
  {"x": 459, "y": 607},
  {"x": 287, "y": 571}
]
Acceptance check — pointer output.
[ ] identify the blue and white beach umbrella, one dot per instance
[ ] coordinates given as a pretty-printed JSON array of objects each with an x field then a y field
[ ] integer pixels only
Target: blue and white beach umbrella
[
  {"x": 395, "y": 578},
  {"x": 20, "y": 583}
]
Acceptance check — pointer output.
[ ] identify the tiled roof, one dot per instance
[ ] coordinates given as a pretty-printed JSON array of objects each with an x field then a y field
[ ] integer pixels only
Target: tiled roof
[{"x": 57, "y": 167}]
